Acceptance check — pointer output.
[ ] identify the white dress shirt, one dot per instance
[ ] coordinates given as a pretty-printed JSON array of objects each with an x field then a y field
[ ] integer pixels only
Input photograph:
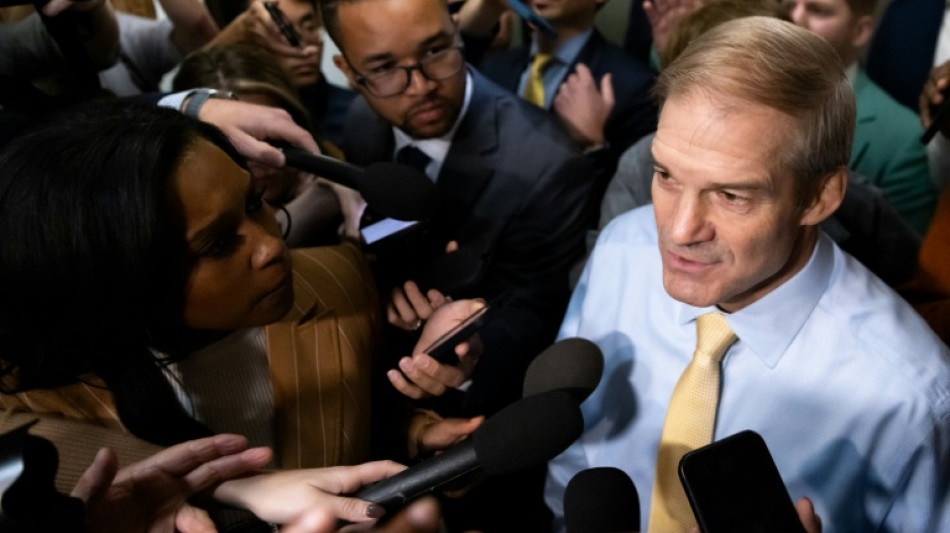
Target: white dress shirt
[
  {"x": 438, "y": 147},
  {"x": 847, "y": 385}
]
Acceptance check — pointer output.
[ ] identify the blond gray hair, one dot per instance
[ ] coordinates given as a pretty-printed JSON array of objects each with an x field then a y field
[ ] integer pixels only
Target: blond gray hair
[{"x": 774, "y": 63}]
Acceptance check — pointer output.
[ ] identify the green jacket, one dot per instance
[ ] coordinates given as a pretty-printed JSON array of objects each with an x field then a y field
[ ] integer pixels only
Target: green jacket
[{"x": 888, "y": 152}]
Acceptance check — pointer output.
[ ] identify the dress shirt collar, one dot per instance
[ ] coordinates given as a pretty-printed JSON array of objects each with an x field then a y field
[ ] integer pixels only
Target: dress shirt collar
[
  {"x": 851, "y": 71},
  {"x": 438, "y": 147},
  {"x": 768, "y": 325},
  {"x": 567, "y": 53}
]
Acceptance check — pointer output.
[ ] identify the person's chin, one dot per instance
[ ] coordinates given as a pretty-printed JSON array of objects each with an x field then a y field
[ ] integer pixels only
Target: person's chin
[
  {"x": 278, "y": 302},
  {"x": 306, "y": 77},
  {"x": 696, "y": 288},
  {"x": 431, "y": 120},
  {"x": 690, "y": 292}
]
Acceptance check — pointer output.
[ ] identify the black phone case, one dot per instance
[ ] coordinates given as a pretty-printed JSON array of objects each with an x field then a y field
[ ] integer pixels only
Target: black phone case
[
  {"x": 733, "y": 486},
  {"x": 443, "y": 349}
]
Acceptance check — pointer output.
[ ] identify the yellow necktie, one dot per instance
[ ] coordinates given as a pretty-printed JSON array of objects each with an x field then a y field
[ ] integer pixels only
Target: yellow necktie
[
  {"x": 534, "y": 90},
  {"x": 689, "y": 423}
]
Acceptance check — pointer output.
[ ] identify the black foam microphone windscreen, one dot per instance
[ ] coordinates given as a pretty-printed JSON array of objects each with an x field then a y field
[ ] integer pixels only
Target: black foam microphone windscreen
[
  {"x": 601, "y": 500},
  {"x": 393, "y": 190},
  {"x": 526, "y": 433},
  {"x": 572, "y": 364}
]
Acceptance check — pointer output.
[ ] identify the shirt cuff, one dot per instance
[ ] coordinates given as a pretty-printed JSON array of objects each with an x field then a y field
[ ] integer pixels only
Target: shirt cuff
[{"x": 175, "y": 100}]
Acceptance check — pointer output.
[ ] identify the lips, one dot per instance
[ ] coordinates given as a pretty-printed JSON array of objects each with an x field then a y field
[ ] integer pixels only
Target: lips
[
  {"x": 428, "y": 112},
  {"x": 303, "y": 69},
  {"x": 283, "y": 288},
  {"x": 686, "y": 264}
]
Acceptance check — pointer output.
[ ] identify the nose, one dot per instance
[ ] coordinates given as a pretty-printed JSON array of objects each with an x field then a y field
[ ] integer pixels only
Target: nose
[
  {"x": 796, "y": 13},
  {"x": 419, "y": 83},
  {"x": 268, "y": 246},
  {"x": 689, "y": 224}
]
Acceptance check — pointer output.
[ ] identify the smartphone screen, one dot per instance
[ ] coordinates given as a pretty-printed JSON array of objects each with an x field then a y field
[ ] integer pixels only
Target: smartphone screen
[
  {"x": 384, "y": 228},
  {"x": 734, "y": 486}
]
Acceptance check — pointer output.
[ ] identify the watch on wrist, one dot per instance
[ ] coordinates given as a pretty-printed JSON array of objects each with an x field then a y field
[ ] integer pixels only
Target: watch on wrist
[{"x": 198, "y": 97}]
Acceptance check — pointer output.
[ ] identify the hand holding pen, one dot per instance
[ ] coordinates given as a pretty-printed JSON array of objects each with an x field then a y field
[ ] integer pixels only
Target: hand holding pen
[
  {"x": 286, "y": 29},
  {"x": 256, "y": 23}
]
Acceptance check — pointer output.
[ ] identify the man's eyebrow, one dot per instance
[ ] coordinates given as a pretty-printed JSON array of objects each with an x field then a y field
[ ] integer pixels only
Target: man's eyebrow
[
  {"x": 742, "y": 186},
  {"x": 428, "y": 41},
  {"x": 434, "y": 39},
  {"x": 382, "y": 56}
]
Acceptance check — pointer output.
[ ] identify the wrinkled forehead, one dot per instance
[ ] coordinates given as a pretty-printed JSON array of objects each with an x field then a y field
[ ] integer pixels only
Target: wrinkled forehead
[{"x": 713, "y": 130}]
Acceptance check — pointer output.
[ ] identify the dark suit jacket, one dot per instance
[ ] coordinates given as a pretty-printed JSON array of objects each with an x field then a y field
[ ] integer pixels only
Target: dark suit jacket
[
  {"x": 327, "y": 105},
  {"x": 902, "y": 51},
  {"x": 515, "y": 186},
  {"x": 635, "y": 112}
]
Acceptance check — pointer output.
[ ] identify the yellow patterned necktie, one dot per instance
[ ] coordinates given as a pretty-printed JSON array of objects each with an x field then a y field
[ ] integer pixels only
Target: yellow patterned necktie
[
  {"x": 534, "y": 90},
  {"x": 689, "y": 423}
]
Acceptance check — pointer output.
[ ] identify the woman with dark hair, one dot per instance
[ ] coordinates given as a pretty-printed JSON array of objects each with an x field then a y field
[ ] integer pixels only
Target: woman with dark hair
[
  {"x": 310, "y": 212},
  {"x": 146, "y": 288}
]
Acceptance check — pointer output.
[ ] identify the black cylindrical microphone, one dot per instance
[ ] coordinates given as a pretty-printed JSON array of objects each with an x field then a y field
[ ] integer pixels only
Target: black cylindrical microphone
[
  {"x": 391, "y": 189},
  {"x": 526, "y": 433},
  {"x": 601, "y": 500},
  {"x": 573, "y": 364},
  {"x": 337, "y": 171}
]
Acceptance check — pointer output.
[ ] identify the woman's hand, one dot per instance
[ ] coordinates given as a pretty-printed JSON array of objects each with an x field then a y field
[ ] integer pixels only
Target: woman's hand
[
  {"x": 151, "y": 495},
  {"x": 285, "y": 496}
]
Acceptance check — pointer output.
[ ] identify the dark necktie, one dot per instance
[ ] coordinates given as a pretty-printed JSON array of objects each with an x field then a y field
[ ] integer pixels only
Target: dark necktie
[{"x": 413, "y": 157}]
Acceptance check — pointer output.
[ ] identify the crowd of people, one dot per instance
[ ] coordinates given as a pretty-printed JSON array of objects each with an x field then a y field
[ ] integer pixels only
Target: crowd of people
[{"x": 738, "y": 206}]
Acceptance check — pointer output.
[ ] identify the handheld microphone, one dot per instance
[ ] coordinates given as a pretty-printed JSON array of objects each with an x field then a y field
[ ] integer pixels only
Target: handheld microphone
[
  {"x": 526, "y": 433},
  {"x": 601, "y": 500},
  {"x": 573, "y": 364},
  {"x": 394, "y": 190}
]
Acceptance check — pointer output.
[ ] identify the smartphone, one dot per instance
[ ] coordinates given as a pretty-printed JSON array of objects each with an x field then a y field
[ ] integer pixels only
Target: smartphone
[
  {"x": 384, "y": 228},
  {"x": 443, "y": 349},
  {"x": 285, "y": 27},
  {"x": 733, "y": 486}
]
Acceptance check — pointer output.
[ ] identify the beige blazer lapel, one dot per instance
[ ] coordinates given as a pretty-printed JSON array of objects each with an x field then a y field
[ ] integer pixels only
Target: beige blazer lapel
[{"x": 321, "y": 355}]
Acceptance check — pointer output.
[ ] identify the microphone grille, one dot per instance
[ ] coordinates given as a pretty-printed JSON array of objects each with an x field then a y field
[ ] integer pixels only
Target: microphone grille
[
  {"x": 601, "y": 500},
  {"x": 528, "y": 432},
  {"x": 398, "y": 191},
  {"x": 573, "y": 364}
]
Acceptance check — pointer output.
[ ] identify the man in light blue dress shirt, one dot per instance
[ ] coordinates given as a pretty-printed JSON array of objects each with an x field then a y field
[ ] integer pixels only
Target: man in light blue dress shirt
[{"x": 847, "y": 385}]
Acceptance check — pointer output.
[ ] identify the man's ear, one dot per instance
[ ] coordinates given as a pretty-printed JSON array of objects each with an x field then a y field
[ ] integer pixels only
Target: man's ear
[
  {"x": 861, "y": 31},
  {"x": 344, "y": 66},
  {"x": 828, "y": 199}
]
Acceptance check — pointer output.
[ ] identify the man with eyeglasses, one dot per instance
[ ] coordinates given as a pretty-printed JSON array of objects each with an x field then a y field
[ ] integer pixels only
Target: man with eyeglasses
[{"x": 514, "y": 194}]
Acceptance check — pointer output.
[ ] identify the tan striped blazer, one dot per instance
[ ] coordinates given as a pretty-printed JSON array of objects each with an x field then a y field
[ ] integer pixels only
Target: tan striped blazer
[{"x": 321, "y": 355}]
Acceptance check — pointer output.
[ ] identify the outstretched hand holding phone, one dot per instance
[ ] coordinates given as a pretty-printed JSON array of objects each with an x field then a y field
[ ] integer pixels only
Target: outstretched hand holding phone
[{"x": 450, "y": 333}]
